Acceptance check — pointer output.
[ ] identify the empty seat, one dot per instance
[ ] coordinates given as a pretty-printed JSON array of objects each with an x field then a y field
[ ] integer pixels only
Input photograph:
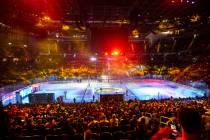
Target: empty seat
[
  {"x": 106, "y": 136},
  {"x": 36, "y": 132},
  {"x": 78, "y": 136},
  {"x": 6, "y": 138},
  {"x": 57, "y": 131},
  {"x": 53, "y": 137},
  {"x": 95, "y": 136},
  {"x": 118, "y": 135},
  {"x": 23, "y": 138},
  {"x": 131, "y": 134},
  {"x": 38, "y": 137},
  {"x": 105, "y": 129}
]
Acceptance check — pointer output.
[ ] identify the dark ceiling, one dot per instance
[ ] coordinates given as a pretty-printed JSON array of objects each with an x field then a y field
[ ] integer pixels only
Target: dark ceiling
[{"x": 26, "y": 13}]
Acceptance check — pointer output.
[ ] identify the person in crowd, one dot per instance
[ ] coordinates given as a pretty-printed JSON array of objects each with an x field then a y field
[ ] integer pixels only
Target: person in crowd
[
  {"x": 114, "y": 121},
  {"x": 3, "y": 121},
  {"x": 141, "y": 129},
  {"x": 75, "y": 118},
  {"x": 190, "y": 121},
  {"x": 104, "y": 121}
]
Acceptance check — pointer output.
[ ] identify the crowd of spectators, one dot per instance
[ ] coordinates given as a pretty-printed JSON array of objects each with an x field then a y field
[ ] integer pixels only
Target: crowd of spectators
[
  {"x": 141, "y": 120},
  {"x": 194, "y": 72}
]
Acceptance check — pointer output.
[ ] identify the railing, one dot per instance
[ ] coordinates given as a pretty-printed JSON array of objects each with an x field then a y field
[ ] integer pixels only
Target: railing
[
  {"x": 82, "y": 100},
  {"x": 128, "y": 90},
  {"x": 10, "y": 88},
  {"x": 165, "y": 120}
]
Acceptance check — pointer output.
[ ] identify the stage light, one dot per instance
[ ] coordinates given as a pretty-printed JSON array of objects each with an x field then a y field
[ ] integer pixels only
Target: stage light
[
  {"x": 9, "y": 43},
  {"x": 4, "y": 59},
  {"x": 57, "y": 35},
  {"x": 166, "y": 32},
  {"x": 39, "y": 24},
  {"x": 104, "y": 77},
  {"x": 93, "y": 59},
  {"x": 135, "y": 33},
  {"x": 65, "y": 27},
  {"x": 43, "y": 21},
  {"x": 106, "y": 54},
  {"x": 15, "y": 59},
  {"x": 115, "y": 53},
  {"x": 46, "y": 18}
]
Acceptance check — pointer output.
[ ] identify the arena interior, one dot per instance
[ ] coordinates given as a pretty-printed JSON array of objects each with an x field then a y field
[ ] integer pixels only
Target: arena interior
[{"x": 104, "y": 70}]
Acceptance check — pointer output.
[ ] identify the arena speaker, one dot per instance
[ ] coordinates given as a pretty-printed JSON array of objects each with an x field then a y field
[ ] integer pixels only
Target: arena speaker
[{"x": 41, "y": 98}]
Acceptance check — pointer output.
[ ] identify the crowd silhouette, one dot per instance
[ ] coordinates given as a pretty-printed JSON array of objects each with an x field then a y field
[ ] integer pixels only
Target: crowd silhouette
[{"x": 136, "y": 120}]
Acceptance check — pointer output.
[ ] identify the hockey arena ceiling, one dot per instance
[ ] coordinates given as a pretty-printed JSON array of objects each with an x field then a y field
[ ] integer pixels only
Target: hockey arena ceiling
[
  {"x": 70, "y": 20},
  {"x": 145, "y": 14}
]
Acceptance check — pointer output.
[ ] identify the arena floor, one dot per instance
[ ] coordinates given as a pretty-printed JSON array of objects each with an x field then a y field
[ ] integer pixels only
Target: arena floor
[{"x": 91, "y": 90}]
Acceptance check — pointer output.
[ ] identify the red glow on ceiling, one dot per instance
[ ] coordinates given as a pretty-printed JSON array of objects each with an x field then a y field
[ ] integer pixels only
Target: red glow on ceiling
[
  {"x": 115, "y": 53},
  {"x": 116, "y": 46},
  {"x": 40, "y": 7},
  {"x": 106, "y": 53},
  {"x": 34, "y": 3},
  {"x": 110, "y": 39}
]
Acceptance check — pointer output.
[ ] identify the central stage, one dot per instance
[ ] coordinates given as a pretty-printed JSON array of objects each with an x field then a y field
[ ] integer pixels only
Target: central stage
[{"x": 107, "y": 94}]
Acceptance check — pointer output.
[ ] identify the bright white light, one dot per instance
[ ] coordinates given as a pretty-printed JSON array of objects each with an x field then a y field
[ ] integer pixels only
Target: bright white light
[
  {"x": 57, "y": 35},
  {"x": 9, "y": 43},
  {"x": 15, "y": 59},
  {"x": 167, "y": 32},
  {"x": 104, "y": 77},
  {"x": 142, "y": 67},
  {"x": 4, "y": 59},
  {"x": 25, "y": 45},
  {"x": 193, "y": 2},
  {"x": 93, "y": 59}
]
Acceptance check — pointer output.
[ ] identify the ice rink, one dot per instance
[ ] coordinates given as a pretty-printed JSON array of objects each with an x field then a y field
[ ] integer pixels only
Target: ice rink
[{"x": 91, "y": 90}]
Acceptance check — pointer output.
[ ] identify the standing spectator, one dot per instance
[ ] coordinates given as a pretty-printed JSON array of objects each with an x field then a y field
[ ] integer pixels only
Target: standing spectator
[
  {"x": 190, "y": 121},
  {"x": 114, "y": 120},
  {"x": 93, "y": 97},
  {"x": 65, "y": 93},
  {"x": 3, "y": 121}
]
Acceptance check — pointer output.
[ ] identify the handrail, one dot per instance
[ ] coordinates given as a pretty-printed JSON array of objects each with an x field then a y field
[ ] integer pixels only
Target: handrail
[
  {"x": 165, "y": 122},
  {"x": 85, "y": 92},
  {"x": 131, "y": 92}
]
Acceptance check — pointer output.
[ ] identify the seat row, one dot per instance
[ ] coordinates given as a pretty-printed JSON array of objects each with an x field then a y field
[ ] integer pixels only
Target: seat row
[{"x": 129, "y": 135}]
